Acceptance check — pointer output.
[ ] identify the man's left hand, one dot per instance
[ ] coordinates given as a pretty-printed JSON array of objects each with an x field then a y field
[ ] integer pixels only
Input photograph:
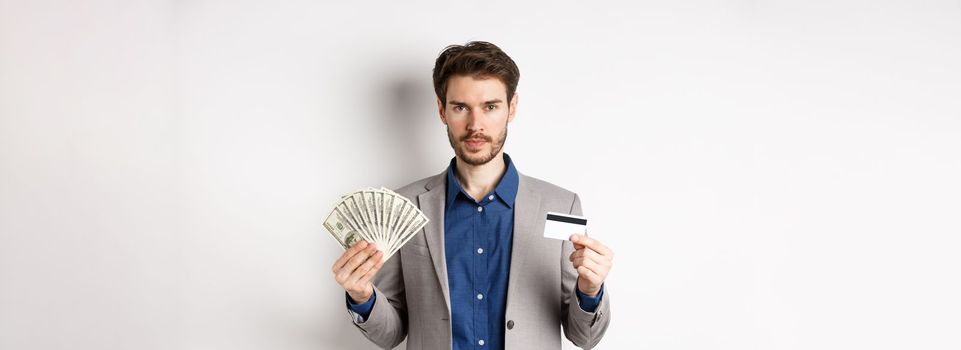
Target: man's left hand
[{"x": 593, "y": 261}]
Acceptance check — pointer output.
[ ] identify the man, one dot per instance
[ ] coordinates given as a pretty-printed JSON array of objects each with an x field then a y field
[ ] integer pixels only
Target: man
[{"x": 480, "y": 274}]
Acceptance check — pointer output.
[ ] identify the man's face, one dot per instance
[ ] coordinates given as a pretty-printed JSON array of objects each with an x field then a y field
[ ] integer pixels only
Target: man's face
[{"x": 476, "y": 116}]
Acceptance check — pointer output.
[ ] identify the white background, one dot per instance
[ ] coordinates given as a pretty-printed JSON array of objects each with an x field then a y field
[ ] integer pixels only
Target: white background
[{"x": 771, "y": 174}]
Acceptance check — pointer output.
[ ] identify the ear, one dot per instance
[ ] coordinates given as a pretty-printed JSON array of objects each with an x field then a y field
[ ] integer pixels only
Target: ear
[
  {"x": 440, "y": 110},
  {"x": 513, "y": 108}
]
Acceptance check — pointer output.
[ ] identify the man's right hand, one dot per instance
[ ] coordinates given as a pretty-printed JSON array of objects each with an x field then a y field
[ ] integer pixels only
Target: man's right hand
[{"x": 356, "y": 268}]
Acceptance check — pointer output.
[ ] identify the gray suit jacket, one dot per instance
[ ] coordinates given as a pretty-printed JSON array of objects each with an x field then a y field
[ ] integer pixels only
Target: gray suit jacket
[{"x": 413, "y": 299}]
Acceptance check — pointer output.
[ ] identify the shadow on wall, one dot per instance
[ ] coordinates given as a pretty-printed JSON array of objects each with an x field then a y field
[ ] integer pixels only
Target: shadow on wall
[
  {"x": 403, "y": 109},
  {"x": 410, "y": 126}
]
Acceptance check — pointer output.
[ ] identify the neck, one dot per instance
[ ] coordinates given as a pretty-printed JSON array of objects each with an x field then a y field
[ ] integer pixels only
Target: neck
[{"x": 478, "y": 180}]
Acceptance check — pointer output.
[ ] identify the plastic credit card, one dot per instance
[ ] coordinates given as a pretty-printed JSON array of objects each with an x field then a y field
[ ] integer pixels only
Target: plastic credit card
[{"x": 562, "y": 226}]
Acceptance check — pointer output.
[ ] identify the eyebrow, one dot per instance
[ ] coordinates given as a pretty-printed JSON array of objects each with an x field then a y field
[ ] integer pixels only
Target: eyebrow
[{"x": 490, "y": 102}]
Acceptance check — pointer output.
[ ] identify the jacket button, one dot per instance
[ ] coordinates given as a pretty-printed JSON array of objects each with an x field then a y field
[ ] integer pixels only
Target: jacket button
[{"x": 510, "y": 324}]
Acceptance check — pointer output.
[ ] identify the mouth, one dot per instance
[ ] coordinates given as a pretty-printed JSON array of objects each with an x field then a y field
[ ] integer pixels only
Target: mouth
[{"x": 475, "y": 144}]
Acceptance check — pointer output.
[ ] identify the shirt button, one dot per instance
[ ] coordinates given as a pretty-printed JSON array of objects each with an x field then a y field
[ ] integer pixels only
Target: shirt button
[
  {"x": 480, "y": 250},
  {"x": 510, "y": 324},
  {"x": 480, "y": 342},
  {"x": 491, "y": 197},
  {"x": 480, "y": 209},
  {"x": 480, "y": 296}
]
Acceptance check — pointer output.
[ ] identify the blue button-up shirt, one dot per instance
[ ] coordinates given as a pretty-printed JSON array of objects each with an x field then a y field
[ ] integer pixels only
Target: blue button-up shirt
[{"x": 477, "y": 242}]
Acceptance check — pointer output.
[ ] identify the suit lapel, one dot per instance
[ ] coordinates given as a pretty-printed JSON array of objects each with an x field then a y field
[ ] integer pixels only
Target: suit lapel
[
  {"x": 527, "y": 212},
  {"x": 432, "y": 204}
]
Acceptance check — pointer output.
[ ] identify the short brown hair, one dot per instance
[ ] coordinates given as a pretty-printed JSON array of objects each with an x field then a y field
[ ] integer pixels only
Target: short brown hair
[{"x": 478, "y": 59}]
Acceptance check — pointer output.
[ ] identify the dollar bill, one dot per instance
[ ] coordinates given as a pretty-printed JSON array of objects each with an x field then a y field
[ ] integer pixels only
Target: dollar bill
[
  {"x": 376, "y": 215},
  {"x": 343, "y": 232}
]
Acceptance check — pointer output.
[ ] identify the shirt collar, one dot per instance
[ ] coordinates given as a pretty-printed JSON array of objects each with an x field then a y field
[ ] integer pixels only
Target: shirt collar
[{"x": 506, "y": 189}]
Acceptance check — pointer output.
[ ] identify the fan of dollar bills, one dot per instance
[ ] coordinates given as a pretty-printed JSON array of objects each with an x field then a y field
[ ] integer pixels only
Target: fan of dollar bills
[{"x": 379, "y": 216}]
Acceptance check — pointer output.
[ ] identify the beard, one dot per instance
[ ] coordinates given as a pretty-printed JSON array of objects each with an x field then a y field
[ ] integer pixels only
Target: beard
[{"x": 481, "y": 158}]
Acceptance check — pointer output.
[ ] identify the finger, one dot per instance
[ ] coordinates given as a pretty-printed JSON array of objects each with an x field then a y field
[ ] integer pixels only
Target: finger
[
  {"x": 583, "y": 260},
  {"x": 578, "y": 240},
  {"x": 578, "y": 261},
  {"x": 354, "y": 262},
  {"x": 582, "y": 240},
  {"x": 597, "y": 257},
  {"x": 348, "y": 254},
  {"x": 347, "y": 274},
  {"x": 581, "y": 253},
  {"x": 576, "y": 254},
  {"x": 591, "y": 243},
  {"x": 588, "y": 252},
  {"x": 369, "y": 264},
  {"x": 372, "y": 272},
  {"x": 596, "y": 268},
  {"x": 361, "y": 270},
  {"x": 578, "y": 246},
  {"x": 589, "y": 275}
]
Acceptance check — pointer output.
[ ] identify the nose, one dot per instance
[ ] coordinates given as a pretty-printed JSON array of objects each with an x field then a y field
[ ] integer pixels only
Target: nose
[{"x": 474, "y": 122}]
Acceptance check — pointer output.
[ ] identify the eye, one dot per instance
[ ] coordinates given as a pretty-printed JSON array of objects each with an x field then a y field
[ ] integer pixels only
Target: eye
[
  {"x": 491, "y": 107},
  {"x": 459, "y": 108}
]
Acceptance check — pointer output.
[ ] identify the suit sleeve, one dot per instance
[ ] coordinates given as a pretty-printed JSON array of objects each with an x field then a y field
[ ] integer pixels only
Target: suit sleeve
[
  {"x": 584, "y": 329},
  {"x": 386, "y": 325}
]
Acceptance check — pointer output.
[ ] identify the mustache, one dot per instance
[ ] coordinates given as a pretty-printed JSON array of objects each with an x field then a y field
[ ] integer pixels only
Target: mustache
[{"x": 477, "y": 136}]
